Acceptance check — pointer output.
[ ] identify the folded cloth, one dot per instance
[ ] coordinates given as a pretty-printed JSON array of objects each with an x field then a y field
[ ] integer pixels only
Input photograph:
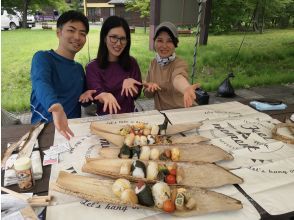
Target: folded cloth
[
  {"x": 37, "y": 169},
  {"x": 36, "y": 164},
  {"x": 269, "y": 101},
  {"x": 261, "y": 106},
  {"x": 10, "y": 177}
]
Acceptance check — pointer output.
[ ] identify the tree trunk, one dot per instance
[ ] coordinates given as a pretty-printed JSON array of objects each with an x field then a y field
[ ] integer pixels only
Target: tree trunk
[
  {"x": 25, "y": 13},
  {"x": 255, "y": 17},
  {"x": 263, "y": 14},
  {"x": 205, "y": 19},
  {"x": 145, "y": 24}
]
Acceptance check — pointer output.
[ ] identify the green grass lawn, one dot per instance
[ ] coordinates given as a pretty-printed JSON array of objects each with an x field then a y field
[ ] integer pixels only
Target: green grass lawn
[{"x": 264, "y": 59}]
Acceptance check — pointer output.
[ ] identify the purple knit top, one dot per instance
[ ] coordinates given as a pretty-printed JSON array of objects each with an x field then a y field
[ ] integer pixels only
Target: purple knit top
[{"x": 111, "y": 80}]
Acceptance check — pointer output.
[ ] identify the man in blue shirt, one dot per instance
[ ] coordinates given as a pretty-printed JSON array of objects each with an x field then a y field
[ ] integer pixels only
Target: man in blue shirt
[{"x": 58, "y": 82}]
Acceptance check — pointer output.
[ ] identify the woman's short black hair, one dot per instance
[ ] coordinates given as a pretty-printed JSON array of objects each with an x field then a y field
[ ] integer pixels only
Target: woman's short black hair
[
  {"x": 73, "y": 16},
  {"x": 124, "y": 59},
  {"x": 173, "y": 38}
]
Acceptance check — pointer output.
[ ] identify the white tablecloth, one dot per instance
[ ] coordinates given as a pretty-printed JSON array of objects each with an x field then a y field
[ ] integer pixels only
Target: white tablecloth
[{"x": 266, "y": 165}]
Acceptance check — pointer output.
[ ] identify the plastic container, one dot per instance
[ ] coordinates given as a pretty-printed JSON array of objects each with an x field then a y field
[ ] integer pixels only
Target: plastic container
[{"x": 23, "y": 169}]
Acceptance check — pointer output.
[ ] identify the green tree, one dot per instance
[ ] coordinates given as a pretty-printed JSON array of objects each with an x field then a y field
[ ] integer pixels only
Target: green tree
[
  {"x": 76, "y": 5},
  {"x": 141, "y": 6},
  {"x": 24, "y": 5},
  {"x": 271, "y": 12},
  {"x": 237, "y": 15},
  {"x": 278, "y": 13}
]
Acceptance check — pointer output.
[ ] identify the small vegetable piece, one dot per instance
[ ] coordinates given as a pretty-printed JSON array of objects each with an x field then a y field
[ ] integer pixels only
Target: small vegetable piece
[
  {"x": 170, "y": 179},
  {"x": 161, "y": 176},
  {"x": 173, "y": 172},
  {"x": 172, "y": 166},
  {"x": 164, "y": 169},
  {"x": 168, "y": 206}
]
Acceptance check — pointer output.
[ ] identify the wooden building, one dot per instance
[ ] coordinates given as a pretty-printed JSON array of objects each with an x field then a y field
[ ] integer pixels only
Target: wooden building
[{"x": 99, "y": 10}]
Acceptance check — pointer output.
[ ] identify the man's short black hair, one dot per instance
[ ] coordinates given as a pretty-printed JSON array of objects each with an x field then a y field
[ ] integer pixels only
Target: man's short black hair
[{"x": 73, "y": 16}]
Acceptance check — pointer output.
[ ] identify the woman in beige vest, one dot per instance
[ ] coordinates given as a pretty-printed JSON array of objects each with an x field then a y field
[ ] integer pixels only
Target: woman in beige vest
[{"x": 167, "y": 79}]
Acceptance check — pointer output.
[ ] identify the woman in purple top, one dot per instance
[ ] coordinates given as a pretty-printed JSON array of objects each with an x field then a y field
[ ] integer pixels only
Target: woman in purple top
[{"x": 114, "y": 74}]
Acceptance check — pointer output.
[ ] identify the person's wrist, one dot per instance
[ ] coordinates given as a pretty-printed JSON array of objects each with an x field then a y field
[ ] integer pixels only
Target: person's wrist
[
  {"x": 187, "y": 89},
  {"x": 56, "y": 107},
  {"x": 102, "y": 96}
]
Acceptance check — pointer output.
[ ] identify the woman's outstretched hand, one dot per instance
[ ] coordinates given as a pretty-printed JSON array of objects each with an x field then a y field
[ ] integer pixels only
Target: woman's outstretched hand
[
  {"x": 87, "y": 96},
  {"x": 189, "y": 95},
  {"x": 109, "y": 102},
  {"x": 151, "y": 87},
  {"x": 130, "y": 87},
  {"x": 60, "y": 120}
]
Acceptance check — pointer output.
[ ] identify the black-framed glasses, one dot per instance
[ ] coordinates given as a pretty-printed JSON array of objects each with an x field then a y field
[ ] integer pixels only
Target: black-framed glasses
[{"x": 114, "y": 39}]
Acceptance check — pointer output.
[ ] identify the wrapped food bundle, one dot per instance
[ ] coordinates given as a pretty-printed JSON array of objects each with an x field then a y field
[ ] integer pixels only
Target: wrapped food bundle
[
  {"x": 139, "y": 129},
  {"x": 142, "y": 128},
  {"x": 138, "y": 169},
  {"x": 178, "y": 153},
  {"x": 145, "y": 134},
  {"x": 147, "y": 153},
  {"x": 160, "y": 196},
  {"x": 153, "y": 172},
  {"x": 161, "y": 193},
  {"x": 190, "y": 174},
  {"x": 134, "y": 140},
  {"x": 179, "y": 201},
  {"x": 144, "y": 194},
  {"x": 122, "y": 189},
  {"x": 120, "y": 185}
]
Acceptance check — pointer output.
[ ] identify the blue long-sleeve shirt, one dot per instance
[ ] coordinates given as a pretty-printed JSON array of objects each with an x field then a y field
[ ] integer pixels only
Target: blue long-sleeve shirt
[{"x": 55, "y": 79}]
